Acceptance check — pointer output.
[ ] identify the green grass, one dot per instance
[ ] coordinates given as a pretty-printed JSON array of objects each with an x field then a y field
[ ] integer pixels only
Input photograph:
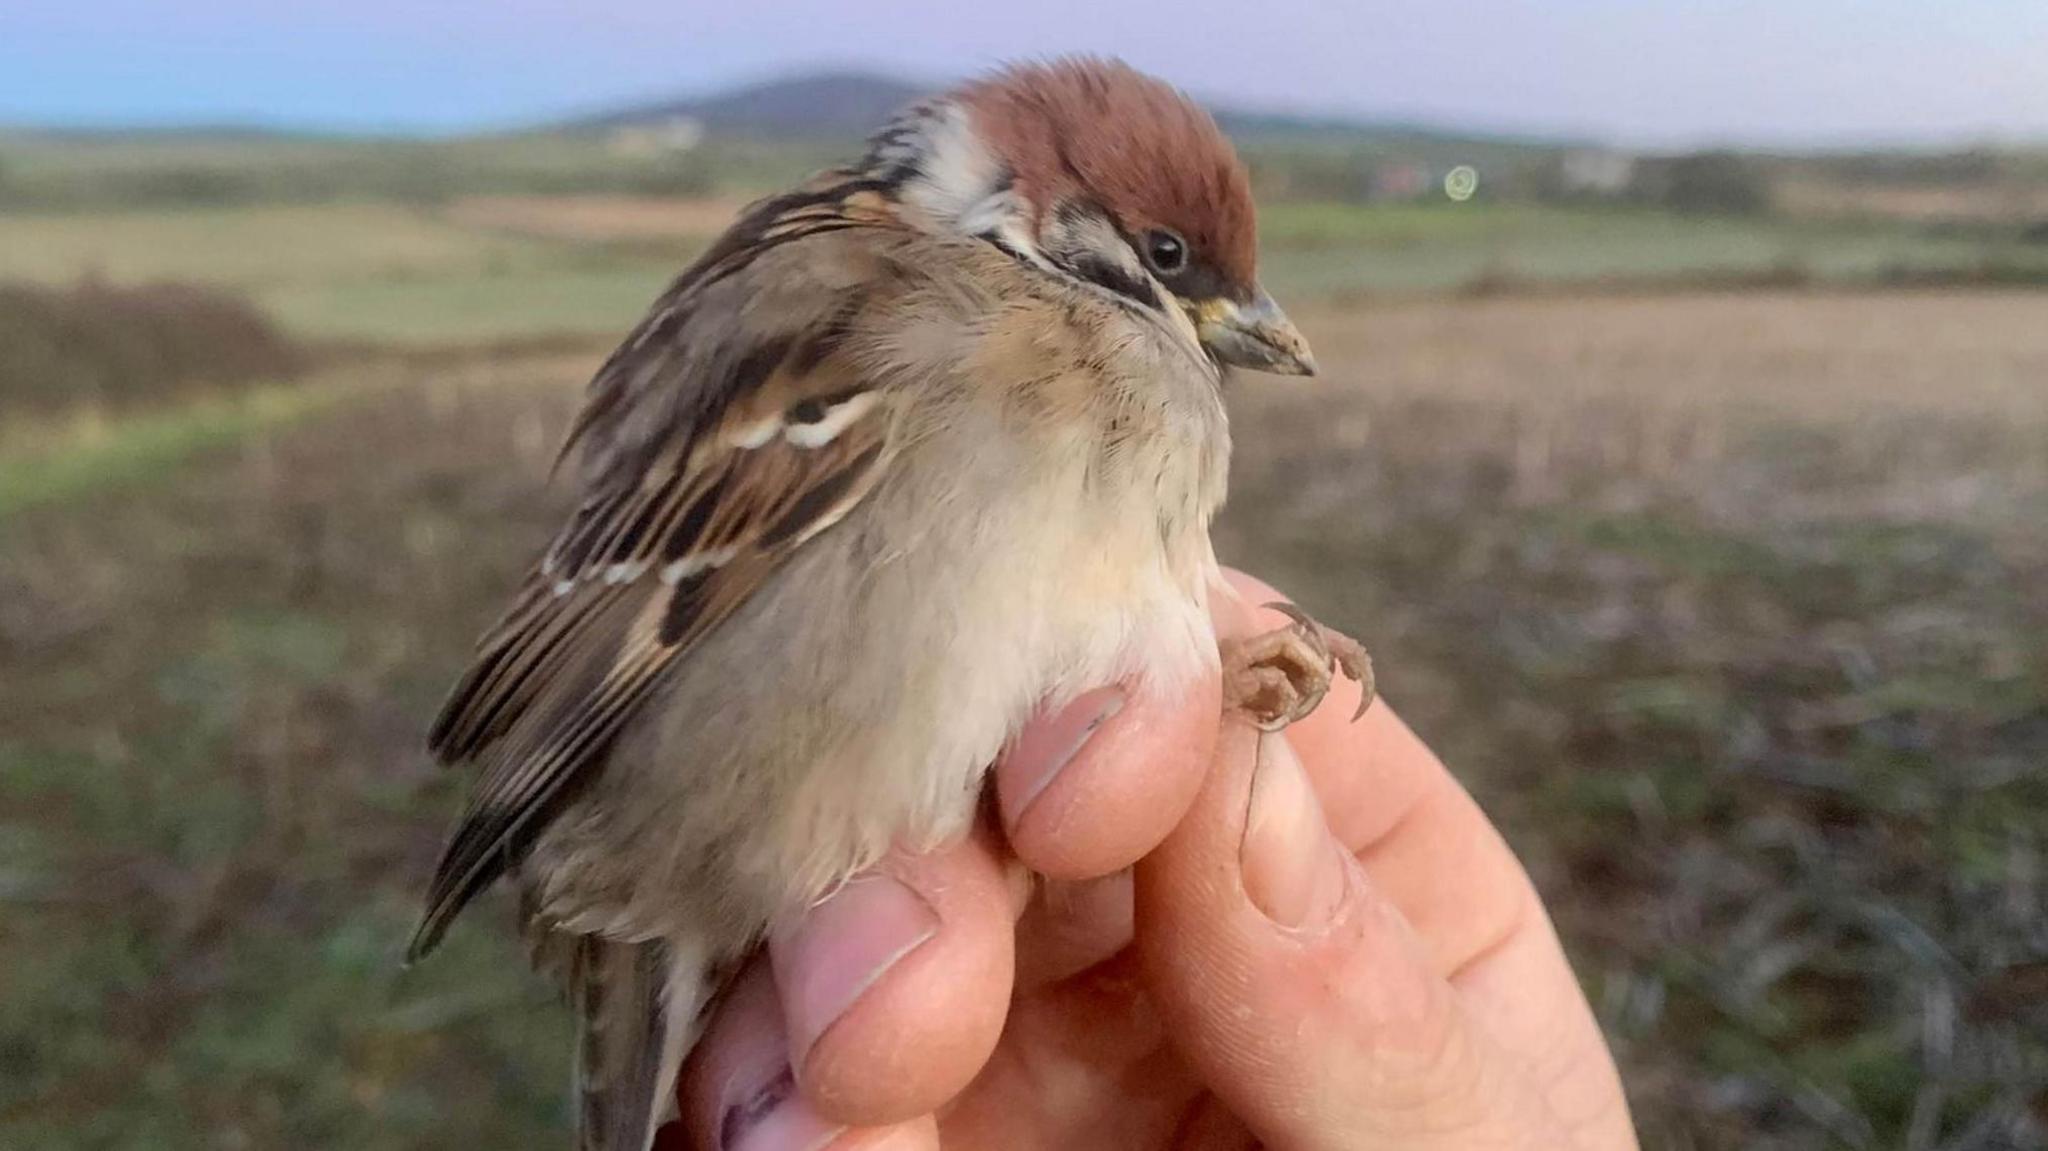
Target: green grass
[
  {"x": 1771, "y": 691},
  {"x": 197, "y": 954},
  {"x": 205, "y": 1010},
  {"x": 256, "y": 248},
  {"x": 532, "y": 300},
  {"x": 121, "y": 170},
  {"x": 410, "y": 273},
  {"x": 1773, "y": 759},
  {"x": 95, "y": 456},
  {"x": 1770, "y": 741},
  {"x": 1318, "y": 249},
  {"x": 364, "y": 271}
]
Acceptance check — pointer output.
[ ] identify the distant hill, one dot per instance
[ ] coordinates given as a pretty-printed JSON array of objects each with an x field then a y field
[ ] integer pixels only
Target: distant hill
[
  {"x": 823, "y": 105},
  {"x": 851, "y": 104}
]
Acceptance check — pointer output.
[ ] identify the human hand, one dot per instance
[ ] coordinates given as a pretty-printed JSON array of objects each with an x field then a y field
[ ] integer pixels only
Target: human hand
[{"x": 1323, "y": 943}]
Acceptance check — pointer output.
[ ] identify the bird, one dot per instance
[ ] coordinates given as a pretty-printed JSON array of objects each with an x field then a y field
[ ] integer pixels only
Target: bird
[{"x": 916, "y": 448}]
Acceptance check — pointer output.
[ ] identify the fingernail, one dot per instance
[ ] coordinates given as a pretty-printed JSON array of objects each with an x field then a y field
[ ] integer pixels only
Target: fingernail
[
  {"x": 1047, "y": 746},
  {"x": 774, "y": 1118},
  {"x": 1294, "y": 869},
  {"x": 842, "y": 946}
]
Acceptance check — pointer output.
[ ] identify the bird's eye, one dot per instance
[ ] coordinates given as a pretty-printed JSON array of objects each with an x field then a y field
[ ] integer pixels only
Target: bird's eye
[{"x": 1165, "y": 253}]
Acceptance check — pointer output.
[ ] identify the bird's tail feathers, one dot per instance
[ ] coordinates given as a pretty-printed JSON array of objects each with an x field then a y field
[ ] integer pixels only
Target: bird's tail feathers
[{"x": 638, "y": 1008}]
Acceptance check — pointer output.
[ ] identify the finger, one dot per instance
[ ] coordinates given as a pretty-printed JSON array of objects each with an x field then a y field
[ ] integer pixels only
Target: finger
[
  {"x": 1367, "y": 782},
  {"x": 894, "y": 987},
  {"x": 1460, "y": 888},
  {"x": 1090, "y": 786},
  {"x": 1209, "y": 1126},
  {"x": 1082, "y": 1065},
  {"x": 1071, "y": 927},
  {"x": 1298, "y": 992},
  {"x": 737, "y": 1092},
  {"x": 1431, "y": 852},
  {"x": 1429, "y": 848}
]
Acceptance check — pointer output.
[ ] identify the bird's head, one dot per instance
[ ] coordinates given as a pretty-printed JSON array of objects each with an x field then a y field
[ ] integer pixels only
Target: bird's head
[{"x": 1091, "y": 170}]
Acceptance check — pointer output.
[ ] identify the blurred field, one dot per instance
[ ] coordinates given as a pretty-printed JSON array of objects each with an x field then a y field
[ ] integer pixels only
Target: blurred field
[
  {"x": 99, "y": 347},
  {"x": 503, "y": 266},
  {"x": 1729, "y": 605},
  {"x": 1337, "y": 249},
  {"x": 1981, "y": 201},
  {"x": 111, "y": 171},
  {"x": 1730, "y": 610},
  {"x": 359, "y": 271}
]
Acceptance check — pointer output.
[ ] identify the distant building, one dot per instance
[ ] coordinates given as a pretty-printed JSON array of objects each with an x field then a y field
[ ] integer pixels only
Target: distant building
[
  {"x": 1597, "y": 172},
  {"x": 1401, "y": 181},
  {"x": 675, "y": 134}
]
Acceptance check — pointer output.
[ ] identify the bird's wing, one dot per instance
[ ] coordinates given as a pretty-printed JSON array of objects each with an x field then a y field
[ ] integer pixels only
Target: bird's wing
[{"x": 732, "y": 426}]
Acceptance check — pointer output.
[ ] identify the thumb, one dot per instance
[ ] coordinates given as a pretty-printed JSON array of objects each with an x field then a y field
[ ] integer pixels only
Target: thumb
[{"x": 1300, "y": 995}]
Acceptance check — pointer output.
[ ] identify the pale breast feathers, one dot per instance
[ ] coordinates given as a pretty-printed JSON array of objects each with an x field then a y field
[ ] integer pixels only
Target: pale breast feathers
[{"x": 735, "y": 424}]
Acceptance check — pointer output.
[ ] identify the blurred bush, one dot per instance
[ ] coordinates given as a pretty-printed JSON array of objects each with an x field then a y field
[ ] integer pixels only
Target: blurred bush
[
  {"x": 75, "y": 172},
  {"x": 100, "y": 346},
  {"x": 1723, "y": 183}
]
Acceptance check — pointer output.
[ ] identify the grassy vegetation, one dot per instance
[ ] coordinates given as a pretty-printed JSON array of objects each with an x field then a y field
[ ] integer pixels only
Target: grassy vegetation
[
  {"x": 211, "y": 799},
  {"x": 427, "y": 273},
  {"x": 113, "y": 171},
  {"x": 355, "y": 271},
  {"x": 1727, "y": 605},
  {"x": 1741, "y": 646},
  {"x": 1344, "y": 249},
  {"x": 63, "y": 459},
  {"x": 1735, "y": 641},
  {"x": 99, "y": 347}
]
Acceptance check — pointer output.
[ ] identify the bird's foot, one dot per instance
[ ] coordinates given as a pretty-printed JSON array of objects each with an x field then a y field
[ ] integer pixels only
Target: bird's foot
[{"x": 1280, "y": 676}]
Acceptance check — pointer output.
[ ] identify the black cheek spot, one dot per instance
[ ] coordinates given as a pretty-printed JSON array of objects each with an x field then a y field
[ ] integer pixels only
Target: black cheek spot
[{"x": 1123, "y": 283}]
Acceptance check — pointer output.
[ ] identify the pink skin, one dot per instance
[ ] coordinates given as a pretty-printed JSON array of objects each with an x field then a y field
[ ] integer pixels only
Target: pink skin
[{"x": 1311, "y": 940}]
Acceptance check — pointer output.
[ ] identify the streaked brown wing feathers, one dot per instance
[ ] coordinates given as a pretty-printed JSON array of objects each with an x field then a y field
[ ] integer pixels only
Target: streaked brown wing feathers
[
  {"x": 561, "y": 676},
  {"x": 674, "y": 536}
]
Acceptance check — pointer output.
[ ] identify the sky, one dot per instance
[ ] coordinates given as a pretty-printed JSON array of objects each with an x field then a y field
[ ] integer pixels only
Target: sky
[{"x": 1640, "y": 72}]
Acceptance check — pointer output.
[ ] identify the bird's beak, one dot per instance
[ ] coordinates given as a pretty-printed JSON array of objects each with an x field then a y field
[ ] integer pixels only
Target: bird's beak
[{"x": 1255, "y": 334}]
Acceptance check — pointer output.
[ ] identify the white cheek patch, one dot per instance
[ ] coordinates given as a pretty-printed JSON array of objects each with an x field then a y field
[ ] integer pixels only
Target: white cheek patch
[
  {"x": 819, "y": 432},
  {"x": 991, "y": 214},
  {"x": 956, "y": 172}
]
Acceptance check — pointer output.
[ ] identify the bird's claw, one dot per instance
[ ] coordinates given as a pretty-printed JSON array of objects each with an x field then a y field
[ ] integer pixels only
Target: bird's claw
[{"x": 1280, "y": 676}]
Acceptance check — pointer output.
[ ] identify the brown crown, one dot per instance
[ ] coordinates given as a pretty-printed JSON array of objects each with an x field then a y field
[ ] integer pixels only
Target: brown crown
[{"x": 1151, "y": 156}]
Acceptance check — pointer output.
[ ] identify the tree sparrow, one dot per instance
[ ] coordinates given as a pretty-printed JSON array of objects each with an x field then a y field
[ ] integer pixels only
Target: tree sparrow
[{"x": 914, "y": 450}]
